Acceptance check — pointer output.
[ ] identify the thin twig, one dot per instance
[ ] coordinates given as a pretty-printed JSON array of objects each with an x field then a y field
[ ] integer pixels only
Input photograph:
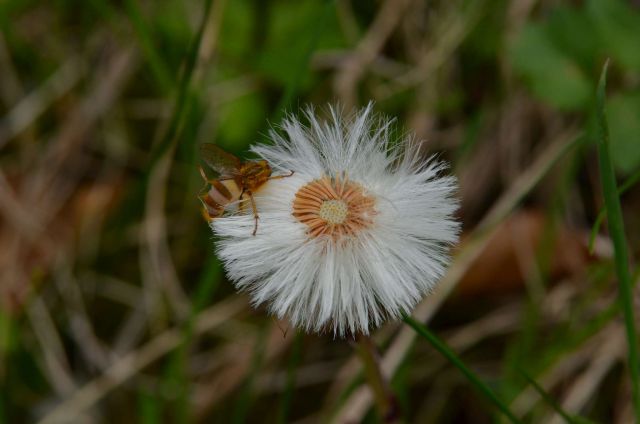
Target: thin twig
[
  {"x": 56, "y": 365},
  {"x": 33, "y": 105},
  {"x": 386, "y": 20}
]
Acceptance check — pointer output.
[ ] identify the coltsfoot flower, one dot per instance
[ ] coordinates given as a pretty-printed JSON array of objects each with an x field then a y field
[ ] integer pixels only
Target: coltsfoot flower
[{"x": 358, "y": 234}]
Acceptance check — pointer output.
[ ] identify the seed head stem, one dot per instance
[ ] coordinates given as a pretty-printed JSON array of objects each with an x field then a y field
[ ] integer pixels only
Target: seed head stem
[{"x": 383, "y": 396}]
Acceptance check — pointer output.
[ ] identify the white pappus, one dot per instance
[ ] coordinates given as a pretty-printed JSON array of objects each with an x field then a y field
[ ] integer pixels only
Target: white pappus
[{"x": 358, "y": 234}]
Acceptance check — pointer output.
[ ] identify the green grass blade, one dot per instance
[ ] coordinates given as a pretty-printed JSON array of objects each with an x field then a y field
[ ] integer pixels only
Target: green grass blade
[
  {"x": 6, "y": 346},
  {"x": 616, "y": 231},
  {"x": 159, "y": 69},
  {"x": 552, "y": 402},
  {"x": 174, "y": 374},
  {"x": 2, "y": 409},
  {"x": 175, "y": 371},
  {"x": 148, "y": 408},
  {"x": 184, "y": 96},
  {"x": 629, "y": 182},
  {"x": 441, "y": 347}
]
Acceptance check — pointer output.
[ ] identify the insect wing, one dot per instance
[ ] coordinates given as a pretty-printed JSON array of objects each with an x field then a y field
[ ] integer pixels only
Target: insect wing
[{"x": 222, "y": 162}]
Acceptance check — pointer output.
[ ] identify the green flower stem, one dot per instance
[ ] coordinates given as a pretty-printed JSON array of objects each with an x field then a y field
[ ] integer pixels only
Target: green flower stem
[{"x": 384, "y": 398}]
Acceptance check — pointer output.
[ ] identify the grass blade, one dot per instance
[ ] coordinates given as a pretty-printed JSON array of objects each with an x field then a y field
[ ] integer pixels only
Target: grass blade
[
  {"x": 552, "y": 402},
  {"x": 176, "y": 369},
  {"x": 629, "y": 182},
  {"x": 149, "y": 408},
  {"x": 441, "y": 347},
  {"x": 184, "y": 97},
  {"x": 156, "y": 62},
  {"x": 616, "y": 231}
]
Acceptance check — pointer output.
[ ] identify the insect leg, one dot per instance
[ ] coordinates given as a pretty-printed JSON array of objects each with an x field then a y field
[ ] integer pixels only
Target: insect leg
[
  {"x": 240, "y": 200},
  {"x": 255, "y": 211},
  {"x": 279, "y": 177},
  {"x": 205, "y": 215}
]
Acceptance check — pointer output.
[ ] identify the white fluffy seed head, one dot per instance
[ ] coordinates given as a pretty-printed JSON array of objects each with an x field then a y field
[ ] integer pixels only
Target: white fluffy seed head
[{"x": 359, "y": 233}]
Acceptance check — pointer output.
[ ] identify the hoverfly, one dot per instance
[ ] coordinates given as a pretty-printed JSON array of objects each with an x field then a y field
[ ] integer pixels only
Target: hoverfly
[{"x": 235, "y": 179}]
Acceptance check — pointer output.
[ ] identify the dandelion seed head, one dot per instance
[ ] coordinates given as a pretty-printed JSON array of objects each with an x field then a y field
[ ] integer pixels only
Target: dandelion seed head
[{"x": 357, "y": 235}]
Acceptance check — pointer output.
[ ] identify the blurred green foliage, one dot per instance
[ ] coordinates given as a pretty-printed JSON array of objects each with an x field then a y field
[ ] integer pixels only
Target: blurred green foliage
[
  {"x": 559, "y": 57},
  {"x": 272, "y": 57}
]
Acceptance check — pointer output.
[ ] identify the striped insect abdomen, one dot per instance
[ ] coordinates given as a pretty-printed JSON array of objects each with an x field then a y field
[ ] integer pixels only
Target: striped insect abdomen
[{"x": 220, "y": 194}]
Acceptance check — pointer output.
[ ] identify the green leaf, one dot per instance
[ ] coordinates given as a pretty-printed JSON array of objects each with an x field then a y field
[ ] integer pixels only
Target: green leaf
[
  {"x": 571, "y": 30},
  {"x": 292, "y": 25},
  {"x": 236, "y": 30},
  {"x": 617, "y": 25},
  {"x": 240, "y": 120},
  {"x": 549, "y": 73}
]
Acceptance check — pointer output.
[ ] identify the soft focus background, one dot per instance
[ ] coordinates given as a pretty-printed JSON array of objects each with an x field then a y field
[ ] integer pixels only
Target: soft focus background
[{"x": 113, "y": 307}]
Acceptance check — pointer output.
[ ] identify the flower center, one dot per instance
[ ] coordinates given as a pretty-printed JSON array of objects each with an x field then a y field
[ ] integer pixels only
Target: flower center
[
  {"x": 333, "y": 211},
  {"x": 334, "y": 207}
]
